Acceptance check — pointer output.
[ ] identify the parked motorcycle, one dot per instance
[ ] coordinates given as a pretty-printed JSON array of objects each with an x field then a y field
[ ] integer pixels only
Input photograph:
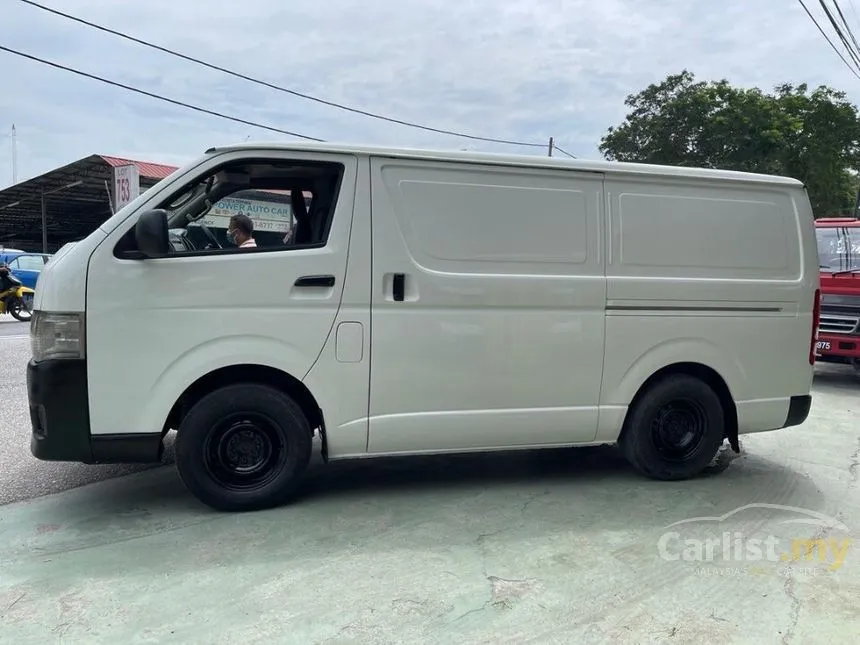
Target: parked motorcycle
[{"x": 16, "y": 299}]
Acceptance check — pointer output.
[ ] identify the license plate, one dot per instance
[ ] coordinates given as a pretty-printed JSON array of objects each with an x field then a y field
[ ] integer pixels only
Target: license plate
[{"x": 822, "y": 345}]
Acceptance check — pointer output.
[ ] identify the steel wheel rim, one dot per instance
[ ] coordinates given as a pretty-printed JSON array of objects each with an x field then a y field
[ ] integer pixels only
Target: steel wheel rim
[
  {"x": 678, "y": 429},
  {"x": 245, "y": 451}
]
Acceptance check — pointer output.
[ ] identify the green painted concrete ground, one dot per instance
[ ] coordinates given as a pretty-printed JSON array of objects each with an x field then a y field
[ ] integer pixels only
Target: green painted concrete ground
[{"x": 548, "y": 547}]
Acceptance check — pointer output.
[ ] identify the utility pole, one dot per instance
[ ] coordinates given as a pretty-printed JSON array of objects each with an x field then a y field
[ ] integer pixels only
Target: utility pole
[
  {"x": 551, "y": 146},
  {"x": 44, "y": 225},
  {"x": 856, "y": 212},
  {"x": 43, "y": 194},
  {"x": 14, "y": 156}
]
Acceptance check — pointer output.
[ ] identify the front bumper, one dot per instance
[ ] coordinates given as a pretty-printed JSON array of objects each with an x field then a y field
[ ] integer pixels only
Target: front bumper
[
  {"x": 60, "y": 419},
  {"x": 837, "y": 346}
]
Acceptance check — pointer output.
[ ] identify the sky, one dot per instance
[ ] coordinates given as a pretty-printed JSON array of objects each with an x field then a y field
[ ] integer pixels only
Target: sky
[{"x": 513, "y": 69}]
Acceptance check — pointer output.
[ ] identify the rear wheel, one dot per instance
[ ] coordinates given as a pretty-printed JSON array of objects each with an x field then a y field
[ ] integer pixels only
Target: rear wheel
[
  {"x": 20, "y": 309},
  {"x": 674, "y": 429},
  {"x": 243, "y": 447}
]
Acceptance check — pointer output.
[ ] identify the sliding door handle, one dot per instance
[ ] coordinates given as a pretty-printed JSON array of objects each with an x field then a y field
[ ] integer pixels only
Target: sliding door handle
[
  {"x": 315, "y": 281},
  {"x": 398, "y": 287}
]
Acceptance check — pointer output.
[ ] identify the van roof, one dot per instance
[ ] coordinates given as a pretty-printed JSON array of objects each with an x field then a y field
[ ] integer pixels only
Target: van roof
[{"x": 534, "y": 161}]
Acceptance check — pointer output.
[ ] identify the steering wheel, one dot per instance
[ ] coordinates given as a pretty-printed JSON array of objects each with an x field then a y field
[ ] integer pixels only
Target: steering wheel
[{"x": 209, "y": 234}]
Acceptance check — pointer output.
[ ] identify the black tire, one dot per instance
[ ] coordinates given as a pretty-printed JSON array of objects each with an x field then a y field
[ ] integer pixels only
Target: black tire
[
  {"x": 18, "y": 309},
  {"x": 679, "y": 446},
  {"x": 243, "y": 448}
]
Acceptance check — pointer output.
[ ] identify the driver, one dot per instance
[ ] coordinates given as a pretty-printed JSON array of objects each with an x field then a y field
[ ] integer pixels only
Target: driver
[{"x": 239, "y": 231}]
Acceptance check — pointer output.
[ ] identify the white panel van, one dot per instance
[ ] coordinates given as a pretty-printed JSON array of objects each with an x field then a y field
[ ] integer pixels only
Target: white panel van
[{"x": 425, "y": 302}]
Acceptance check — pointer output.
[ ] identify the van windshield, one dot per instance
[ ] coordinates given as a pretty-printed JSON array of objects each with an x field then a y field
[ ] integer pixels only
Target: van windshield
[{"x": 838, "y": 248}]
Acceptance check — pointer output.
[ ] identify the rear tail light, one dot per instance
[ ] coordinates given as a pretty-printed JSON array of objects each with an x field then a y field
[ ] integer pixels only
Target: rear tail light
[{"x": 816, "y": 318}]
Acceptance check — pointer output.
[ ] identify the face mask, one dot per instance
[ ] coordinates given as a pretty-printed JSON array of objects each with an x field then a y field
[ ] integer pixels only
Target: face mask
[{"x": 231, "y": 237}]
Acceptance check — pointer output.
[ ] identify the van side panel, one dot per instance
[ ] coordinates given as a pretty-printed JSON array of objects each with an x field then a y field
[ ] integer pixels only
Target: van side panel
[
  {"x": 340, "y": 378},
  {"x": 716, "y": 273},
  {"x": 498, "y": 340}
]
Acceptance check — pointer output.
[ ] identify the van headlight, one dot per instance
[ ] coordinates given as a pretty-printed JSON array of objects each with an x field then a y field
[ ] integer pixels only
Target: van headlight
[{"x": 56, "y": 335}]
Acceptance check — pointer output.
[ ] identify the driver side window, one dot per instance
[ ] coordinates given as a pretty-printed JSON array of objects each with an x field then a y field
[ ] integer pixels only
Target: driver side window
[{"x": 255, "y": 205}]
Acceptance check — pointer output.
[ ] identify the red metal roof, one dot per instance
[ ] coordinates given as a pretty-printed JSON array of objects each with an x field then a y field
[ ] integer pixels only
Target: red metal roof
[{"x": 149, "y": 170}]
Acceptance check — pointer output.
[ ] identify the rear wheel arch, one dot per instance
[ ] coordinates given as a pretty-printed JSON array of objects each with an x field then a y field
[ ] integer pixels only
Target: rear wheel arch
[{"x": 708, "y": 375}]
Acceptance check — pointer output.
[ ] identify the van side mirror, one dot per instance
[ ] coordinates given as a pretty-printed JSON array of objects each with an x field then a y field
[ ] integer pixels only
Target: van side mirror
[{"x": 151, "y": 234}]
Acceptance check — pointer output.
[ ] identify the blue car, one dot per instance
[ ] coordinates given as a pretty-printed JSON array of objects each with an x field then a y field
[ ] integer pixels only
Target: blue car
[{"x": 25, "y": 266}]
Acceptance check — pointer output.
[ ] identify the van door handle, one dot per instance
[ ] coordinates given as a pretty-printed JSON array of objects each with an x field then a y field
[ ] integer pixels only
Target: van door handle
[
  {"x": 397, "y": 286},
  {"x": 315, "y": 281}
]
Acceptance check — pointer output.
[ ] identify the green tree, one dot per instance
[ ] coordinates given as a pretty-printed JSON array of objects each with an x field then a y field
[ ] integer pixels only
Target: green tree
[{"x": 813, "y": 136}]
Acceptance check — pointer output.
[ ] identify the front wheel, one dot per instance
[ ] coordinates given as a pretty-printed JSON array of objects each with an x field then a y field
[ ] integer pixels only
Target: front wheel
[
  {"x": 243, "y": 447},
  {"x": 21, "y": 309},
  {"x": 674, "y": 429}
]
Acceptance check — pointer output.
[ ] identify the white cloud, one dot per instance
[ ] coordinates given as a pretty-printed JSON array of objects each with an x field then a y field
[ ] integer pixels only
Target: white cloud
[{"x": 513, "y": 69}]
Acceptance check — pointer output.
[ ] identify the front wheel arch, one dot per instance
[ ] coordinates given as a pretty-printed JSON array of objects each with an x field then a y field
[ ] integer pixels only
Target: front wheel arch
[{"x": 248, "y": 373}]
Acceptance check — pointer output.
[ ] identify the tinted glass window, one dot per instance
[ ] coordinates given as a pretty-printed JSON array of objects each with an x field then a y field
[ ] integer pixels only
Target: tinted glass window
[
  {"x": 838, "y": 248},
  {"x": 27, "y": 263}
]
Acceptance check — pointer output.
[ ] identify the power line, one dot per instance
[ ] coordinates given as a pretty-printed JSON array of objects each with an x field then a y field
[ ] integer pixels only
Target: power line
[
  {"x": 847, "y": 26},
  {"x": 157, "y": 96},
  {"x": 562, "y": 151},
  {"x": 827, "y": 38},
  {"x": 181, "y": 103},
  {"x": 276, "y": 87},
  {"x": 854, "y": 56},
  {"x": 839, "y": 33}
]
